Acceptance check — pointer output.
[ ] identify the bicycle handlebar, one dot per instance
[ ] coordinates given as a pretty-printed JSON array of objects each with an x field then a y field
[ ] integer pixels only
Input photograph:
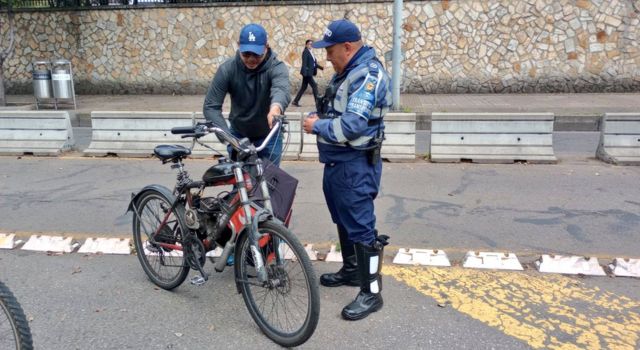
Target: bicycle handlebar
[
  {"x": 183, "y": 130},
  {"x": 240, "y": 145}
]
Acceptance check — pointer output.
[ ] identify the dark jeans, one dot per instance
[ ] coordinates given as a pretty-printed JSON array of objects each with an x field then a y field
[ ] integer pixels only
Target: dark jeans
[{"x": 314, "y": 87}]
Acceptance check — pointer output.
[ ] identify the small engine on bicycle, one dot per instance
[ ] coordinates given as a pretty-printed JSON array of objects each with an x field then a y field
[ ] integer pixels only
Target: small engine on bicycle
[{"x": 214, "y": 215}]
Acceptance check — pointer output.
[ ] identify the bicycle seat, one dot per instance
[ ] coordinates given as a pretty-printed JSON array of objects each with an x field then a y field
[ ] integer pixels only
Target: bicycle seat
[{"x": 165, "y": 152}]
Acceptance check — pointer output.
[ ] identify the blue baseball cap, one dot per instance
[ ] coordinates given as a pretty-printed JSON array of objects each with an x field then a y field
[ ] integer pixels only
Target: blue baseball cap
[
  {"x": 253, "y": 38},
  {"x": 340, "y": 31}
]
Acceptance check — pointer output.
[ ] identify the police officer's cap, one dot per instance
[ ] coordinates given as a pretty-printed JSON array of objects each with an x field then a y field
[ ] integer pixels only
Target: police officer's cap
[{"x": 340, "y": 31}]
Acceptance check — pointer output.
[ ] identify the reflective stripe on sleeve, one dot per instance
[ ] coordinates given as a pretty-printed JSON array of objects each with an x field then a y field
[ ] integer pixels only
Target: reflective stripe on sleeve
[{"x": 337, "y": 130}]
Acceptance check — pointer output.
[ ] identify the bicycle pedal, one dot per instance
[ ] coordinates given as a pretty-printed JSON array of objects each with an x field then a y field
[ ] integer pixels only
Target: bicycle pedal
[{"x": 198, "y": 281}]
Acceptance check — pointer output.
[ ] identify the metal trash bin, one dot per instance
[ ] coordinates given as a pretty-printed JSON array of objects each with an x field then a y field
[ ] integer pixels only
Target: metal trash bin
[
  {"x": 62, "y": 81},
  {"x": 61, "y": 78},
  {"x": 42, "y": 84},
  {"x": 41, "y": 80}
]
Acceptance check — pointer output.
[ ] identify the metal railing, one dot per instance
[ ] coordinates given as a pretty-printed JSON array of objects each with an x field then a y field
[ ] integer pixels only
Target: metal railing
[{"x": 70, "y": 4}]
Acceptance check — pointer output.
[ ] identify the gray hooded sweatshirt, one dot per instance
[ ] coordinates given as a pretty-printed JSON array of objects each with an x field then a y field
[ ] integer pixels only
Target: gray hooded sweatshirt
[{"x": 253, "y": 92}]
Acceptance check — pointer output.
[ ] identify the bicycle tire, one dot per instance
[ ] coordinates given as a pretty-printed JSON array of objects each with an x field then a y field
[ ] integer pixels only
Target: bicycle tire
[
  {"x": 15, "y": 319},
  {"x": 146, "y": 250},
  {"x": 243, "y": 267}
]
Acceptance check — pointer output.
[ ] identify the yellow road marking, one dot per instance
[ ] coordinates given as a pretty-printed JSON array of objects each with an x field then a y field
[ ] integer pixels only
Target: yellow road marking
[{"x": 545, "y": 311}]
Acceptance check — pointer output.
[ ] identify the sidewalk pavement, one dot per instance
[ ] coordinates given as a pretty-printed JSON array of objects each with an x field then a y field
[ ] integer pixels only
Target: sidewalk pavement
[{"x": 578, "y": 112}]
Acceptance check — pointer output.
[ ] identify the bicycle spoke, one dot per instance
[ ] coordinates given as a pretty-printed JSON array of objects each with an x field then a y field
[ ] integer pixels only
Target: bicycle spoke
[{"x": 284, "y": 310}]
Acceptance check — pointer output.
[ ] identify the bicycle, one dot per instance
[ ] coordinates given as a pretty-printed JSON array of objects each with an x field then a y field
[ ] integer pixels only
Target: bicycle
[
  {"x": 14, "y": 327},
  {"x": 173, "y": 231}
]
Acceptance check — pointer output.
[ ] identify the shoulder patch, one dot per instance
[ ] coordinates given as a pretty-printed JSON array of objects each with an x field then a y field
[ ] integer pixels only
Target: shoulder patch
[
  {"x": 369, "y": 86},
  {"x": 363, "y": 100}
]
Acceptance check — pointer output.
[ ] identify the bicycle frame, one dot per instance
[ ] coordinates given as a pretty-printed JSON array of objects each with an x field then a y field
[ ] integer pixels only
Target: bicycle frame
[{"x": 244, "y": 215}]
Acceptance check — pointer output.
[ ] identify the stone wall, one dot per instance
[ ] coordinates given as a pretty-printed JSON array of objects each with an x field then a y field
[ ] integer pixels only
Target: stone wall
[{"x": 449, "y": 46}]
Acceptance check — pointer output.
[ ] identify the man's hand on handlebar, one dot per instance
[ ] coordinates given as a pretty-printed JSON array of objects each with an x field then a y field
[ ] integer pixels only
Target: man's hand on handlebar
[{"x": 273, "y": 111}]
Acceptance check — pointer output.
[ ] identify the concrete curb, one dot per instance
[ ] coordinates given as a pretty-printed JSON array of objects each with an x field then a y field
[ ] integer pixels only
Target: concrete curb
[{"x": 546, "y": 263}]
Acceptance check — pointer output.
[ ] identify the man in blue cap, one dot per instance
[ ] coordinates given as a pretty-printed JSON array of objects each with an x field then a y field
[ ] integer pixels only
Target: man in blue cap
[
  {"x": 350, "y": 129},
  {"x": 258, "y": 84}
]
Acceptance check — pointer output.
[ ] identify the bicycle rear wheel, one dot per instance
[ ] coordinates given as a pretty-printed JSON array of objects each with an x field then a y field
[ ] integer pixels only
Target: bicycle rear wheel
[
  {"x": 14, "y": 328},
  {"x": 158, "y": 224},
  {"x": 287, "y": 306}
]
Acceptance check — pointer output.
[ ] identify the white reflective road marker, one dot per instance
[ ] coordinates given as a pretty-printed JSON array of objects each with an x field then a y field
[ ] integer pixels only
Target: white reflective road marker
[
  {"x": 426, "y": 257},
  {"x": 626, "y": 267},
  {"x": 333, "y": 255},
  {"x": 106, "y": 246},
  {"x": 286, "y": 252},
  {"x": 49, "y": 244},
  {"x": 573, "y": 265},
  {"x": 7, "y": 241},
  {"x": 313, "y": 255},
  {"x": 492, "y": 260}
]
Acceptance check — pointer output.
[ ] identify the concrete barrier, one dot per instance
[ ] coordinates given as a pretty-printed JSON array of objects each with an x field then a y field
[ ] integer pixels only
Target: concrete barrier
[
  {"x": 492, "y": 137},
  {"x": 35, "y": 132},
  {"x": 400, "y": 137},
  {"x": 294, "y": 136},
  {"x": 135, "y": 134},
  {"x": 399, "y": 144},
  {"x": 620, "y": 139}
]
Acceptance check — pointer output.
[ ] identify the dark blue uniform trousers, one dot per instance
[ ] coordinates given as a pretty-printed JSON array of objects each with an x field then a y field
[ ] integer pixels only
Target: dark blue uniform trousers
[{"x": 349, "y": 189}]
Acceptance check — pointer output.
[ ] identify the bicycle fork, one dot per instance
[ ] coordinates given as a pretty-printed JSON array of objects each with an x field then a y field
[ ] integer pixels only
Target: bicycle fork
[{"x": 251, "y": 222}]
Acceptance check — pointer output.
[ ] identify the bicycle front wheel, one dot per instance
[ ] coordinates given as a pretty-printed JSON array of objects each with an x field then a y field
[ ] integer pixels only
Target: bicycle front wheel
[
  {"x": 14, "y": 328},
  {"x": 287, "y": 306}
]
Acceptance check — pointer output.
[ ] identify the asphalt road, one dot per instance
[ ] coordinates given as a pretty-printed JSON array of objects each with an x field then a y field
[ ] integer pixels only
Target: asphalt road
[
  {"x": 578, "y": 206},
  {"x": 106, "y": 302}
]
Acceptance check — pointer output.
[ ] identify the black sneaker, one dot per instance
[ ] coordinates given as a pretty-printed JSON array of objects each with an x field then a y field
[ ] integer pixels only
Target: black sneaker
[{"x": 296, "y": 104}]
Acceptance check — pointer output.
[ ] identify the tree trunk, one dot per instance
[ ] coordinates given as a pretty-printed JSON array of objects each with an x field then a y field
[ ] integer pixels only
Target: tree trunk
[
  {"x": 3, "y": 100},
  {"x": 5, "y": 54}
]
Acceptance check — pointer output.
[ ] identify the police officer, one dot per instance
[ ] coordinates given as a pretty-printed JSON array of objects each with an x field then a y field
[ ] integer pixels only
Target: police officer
[{"x": 349, "y": 127}]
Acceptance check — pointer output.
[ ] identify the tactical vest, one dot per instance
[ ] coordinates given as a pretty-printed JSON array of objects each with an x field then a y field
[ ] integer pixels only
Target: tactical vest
[{"x": 334, "y": 102}]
